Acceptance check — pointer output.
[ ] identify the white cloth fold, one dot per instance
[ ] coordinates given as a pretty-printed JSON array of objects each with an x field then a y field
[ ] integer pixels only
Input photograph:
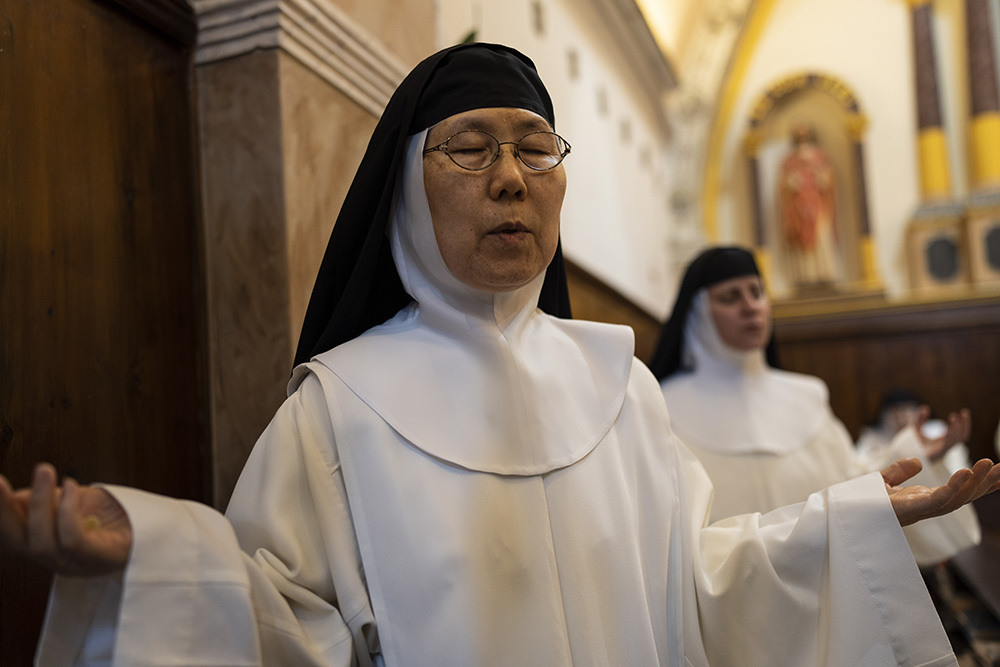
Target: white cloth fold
[
  {"x": 500, "y": 388},
  {"x": 341, "y": 522}
]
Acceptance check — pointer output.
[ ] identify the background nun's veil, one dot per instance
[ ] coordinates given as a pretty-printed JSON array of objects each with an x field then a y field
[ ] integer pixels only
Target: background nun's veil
[{"x": 712, "y": 266}]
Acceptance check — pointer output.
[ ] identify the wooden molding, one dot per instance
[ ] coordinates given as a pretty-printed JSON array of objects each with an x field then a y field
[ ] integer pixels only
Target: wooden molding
[
  {"x": 173, "y": 18},
  {"x": 317, "y": 33},
  {"x": 973, "y": 311},
  {"x": 593, "y": 299}
]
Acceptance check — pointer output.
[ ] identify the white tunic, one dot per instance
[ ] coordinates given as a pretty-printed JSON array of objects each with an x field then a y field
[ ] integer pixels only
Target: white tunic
[{"x": 335, "y": 547}]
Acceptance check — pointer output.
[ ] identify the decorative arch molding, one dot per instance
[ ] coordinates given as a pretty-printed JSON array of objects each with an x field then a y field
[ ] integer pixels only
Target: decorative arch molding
[
  {"x": 699, "y": 110},
  {"x": 173, "y": 18},
  {"x": 319, "y": 34},
  {"x": 798, "y": 83},
  {"x": 855, "y": 125}
]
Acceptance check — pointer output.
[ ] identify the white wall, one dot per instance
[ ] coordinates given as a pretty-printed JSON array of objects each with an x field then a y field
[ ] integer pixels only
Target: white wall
[{"x": 868, "y": 45}]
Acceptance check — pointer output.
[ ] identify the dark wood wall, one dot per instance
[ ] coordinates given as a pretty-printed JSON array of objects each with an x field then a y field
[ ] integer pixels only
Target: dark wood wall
[
  {"x": 948, "y": 353},
  {"x": 592, "y": 299},
  {"x": 100, "y": 306}
]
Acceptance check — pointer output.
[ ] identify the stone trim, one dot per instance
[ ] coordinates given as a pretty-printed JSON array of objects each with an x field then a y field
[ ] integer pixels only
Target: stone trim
[{"x": 317, "y": 33}]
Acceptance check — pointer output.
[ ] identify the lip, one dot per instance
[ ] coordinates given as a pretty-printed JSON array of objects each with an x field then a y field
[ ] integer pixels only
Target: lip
[{"x": 509, "y": 228}]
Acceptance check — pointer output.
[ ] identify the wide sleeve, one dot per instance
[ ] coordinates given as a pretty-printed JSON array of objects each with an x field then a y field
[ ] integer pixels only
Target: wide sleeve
[
  {"x": 932, "y": 540},
  {"x": 937, "y": 539},
  {"x": 829, "y": 581},
  {"x": 277, "y": 581}
]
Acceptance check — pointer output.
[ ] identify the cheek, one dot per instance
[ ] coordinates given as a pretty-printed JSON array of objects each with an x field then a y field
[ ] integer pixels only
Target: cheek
[
  {"x": 552, "y": 207},
  {"x": 723, "y": 319},
  {"x": 446, "y": 199},
  {"x": 557, "y": 192}
]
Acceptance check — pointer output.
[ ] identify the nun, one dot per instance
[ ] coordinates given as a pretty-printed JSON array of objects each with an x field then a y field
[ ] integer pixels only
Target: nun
[
  {"x": 765, "y": 436},
  {"x": 462, "y": 475}
]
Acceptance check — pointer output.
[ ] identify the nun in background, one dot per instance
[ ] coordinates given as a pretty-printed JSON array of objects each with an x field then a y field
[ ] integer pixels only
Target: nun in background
[
  {"x": 899, "y": 408},
  {"x": 767, "y": 437},
  {"x": 460, "y": 476}
]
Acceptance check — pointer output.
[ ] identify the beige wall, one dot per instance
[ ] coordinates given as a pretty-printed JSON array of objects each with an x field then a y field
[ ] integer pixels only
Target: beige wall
[
  {"x": 324, "y": 138},
  {"x": 406, "y": 27},
  {"x": 244, "y": 252},
  {"x": 279, "y": 145}
]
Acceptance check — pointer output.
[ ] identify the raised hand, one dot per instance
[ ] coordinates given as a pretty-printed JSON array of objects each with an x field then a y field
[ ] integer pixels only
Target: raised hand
[
  {"x": 959, "y": 428},
  {"x": 73, "y": 530},
  {"x": 915, "y": 503}
]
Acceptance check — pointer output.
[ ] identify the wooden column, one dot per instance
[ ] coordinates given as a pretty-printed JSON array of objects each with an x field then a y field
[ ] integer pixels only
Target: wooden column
[
  {"x": 760, "y": 250},
  {"x": 287, "y": 101},
  {"x": 985, "y": 102},
  {"x": 856, "y": 126},
  {"x": 935, "y": 182}
]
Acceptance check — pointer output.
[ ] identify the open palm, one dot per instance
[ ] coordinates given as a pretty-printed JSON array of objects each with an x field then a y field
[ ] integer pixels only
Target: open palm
[
  {"x": 915, "y": 503},
  {"x": 72, "y": 529}
]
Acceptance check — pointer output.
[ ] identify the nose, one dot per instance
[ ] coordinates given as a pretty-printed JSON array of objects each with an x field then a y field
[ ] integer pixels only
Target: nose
[
  {"x": 750, "y": 302},
  {"x": 507, "y": 175}
]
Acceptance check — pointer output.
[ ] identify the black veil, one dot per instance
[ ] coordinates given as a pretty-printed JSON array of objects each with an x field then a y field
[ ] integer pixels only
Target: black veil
[{"x": 710, "y": 267}]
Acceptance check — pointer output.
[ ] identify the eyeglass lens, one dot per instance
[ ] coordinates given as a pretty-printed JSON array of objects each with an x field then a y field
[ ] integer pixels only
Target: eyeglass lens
[{"x": 472, "y": 149}]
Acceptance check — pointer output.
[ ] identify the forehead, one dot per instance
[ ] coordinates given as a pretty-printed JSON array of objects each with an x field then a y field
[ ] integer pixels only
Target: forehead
[
  {"x": 495, "y": 120},
  {"x": 739, "y": 282}
]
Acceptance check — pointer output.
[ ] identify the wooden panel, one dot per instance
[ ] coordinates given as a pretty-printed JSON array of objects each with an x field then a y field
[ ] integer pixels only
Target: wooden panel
[
  {"x": 592, "y": 299},
  {"x": 948, "y": 353},
  {"x": 99, "y": 366}
]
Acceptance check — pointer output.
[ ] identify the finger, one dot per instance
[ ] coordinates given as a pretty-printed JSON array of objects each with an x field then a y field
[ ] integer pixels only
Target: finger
[
  {"x": 41, "y": 535},
  {"x": 69, "y": 525},
  {"x": 7, "y": 499},
  {"x": 901, "y": 470},
  {"x": 923, "y": 414},
  {"x": 990, "y": 479},
  {"x": 965, "y": 418},
  {"x": 12, "y": 519},
  {"x": 955, "y": 429},
  {"x": 995, "y": 487},
  {"x": 967, "y": 484}
]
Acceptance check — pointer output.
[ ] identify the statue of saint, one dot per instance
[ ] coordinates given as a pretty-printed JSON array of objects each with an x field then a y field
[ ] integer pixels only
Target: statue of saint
[{"x": 806, "y": 206}]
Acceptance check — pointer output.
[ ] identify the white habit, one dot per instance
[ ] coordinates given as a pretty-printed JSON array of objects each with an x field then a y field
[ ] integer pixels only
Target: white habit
[
  {"x": 768, "y": 438},
  {"x": 477, "y": 483}
]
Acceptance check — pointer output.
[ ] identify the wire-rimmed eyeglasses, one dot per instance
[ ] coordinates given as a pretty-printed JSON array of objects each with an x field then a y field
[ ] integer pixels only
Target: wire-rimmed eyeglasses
[{"x": 475, "y": 150}]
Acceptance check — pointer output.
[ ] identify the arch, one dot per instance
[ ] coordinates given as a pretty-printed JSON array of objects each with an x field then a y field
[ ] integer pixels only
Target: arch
[
  {"x": 798, "y": 83},
  {"x": 825, "y": 96}
]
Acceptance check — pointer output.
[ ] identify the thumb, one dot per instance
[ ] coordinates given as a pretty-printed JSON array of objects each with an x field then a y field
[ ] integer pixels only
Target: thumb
[{"x": 901, "y": 470}]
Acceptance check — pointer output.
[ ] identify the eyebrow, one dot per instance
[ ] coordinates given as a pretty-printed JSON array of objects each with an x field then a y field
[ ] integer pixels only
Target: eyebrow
[{"x": 481, "y": 122}]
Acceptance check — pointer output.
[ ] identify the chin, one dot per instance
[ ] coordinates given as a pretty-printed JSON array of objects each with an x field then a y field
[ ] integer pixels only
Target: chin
[{"x": 507, "y": 281}]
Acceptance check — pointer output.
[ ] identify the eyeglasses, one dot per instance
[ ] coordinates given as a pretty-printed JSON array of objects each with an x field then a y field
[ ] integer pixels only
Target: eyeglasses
[{"x": 475, "y": 150}]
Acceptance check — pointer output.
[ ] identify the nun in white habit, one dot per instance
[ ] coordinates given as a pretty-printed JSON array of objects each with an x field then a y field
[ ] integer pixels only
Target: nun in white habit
[
  {"x": 765, "y": 436},
  {"x": 474, "y": 481}
]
